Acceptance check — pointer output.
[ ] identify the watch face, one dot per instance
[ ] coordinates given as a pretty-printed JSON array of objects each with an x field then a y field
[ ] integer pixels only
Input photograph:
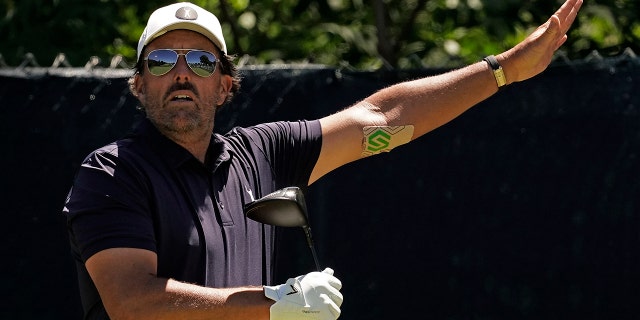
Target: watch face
[{"x": 501, "y": 80}]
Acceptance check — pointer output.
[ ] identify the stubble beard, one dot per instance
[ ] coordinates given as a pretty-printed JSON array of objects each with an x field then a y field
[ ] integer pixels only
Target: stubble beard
[
  {"x": 178, "y": 121},
  {"x": 181, "y": 120}
]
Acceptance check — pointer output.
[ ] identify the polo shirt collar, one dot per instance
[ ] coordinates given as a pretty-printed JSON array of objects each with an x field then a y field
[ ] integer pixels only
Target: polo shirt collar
[{"x": 217, "y": 153}]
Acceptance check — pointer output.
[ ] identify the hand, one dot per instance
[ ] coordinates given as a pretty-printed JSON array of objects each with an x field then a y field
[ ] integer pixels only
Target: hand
[
  {"x": 533, "y": 54},
  {"x": 314, "y": 296}
]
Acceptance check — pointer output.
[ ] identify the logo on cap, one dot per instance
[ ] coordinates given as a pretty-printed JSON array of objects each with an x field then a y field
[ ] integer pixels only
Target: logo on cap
[{"x": 186, "y": 13}]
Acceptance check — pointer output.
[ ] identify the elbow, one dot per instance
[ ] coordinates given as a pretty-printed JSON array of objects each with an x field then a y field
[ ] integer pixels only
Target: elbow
[{"x": 372, "y": 114}]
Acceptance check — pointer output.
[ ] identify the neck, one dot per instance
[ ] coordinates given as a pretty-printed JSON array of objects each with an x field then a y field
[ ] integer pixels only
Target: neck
[{"x": 196, "y": 143}]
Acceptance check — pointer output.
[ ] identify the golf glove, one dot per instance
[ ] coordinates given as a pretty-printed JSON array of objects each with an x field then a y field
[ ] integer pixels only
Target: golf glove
[{"x": 314, "y": 296}]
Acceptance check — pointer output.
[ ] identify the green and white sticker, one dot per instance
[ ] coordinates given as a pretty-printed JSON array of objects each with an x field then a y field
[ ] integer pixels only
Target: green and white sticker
[{"x": 379, "y": 139}]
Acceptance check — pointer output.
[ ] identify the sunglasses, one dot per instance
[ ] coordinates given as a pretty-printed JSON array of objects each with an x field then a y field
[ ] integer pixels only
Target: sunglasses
[{"x": 161, "y": 61}]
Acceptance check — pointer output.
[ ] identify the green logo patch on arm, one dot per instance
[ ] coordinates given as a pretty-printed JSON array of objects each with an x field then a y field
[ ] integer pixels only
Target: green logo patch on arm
[{"x": 384, "y": 138}]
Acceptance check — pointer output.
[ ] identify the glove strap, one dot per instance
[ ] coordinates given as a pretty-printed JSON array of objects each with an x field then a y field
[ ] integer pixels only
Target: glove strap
[{"x": 271, "y": 292}]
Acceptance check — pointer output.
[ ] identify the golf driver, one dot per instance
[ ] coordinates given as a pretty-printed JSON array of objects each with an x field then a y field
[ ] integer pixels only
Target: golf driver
[{"x": 283, "y": 208}]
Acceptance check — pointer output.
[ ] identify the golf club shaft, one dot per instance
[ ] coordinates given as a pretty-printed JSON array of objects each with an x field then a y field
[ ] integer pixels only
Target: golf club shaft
[{"x": 307, "y": 232}]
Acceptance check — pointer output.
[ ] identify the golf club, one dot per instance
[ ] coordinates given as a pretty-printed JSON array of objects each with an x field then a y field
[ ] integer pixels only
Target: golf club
[{"x": 283, "y": 208}]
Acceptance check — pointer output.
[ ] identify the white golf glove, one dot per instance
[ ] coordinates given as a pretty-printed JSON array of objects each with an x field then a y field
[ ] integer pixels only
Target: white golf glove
[{"x": 314, "y": 296}]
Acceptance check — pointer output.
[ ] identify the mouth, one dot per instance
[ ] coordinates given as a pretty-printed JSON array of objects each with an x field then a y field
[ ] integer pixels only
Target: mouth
[{"x": 181, "y": 97}]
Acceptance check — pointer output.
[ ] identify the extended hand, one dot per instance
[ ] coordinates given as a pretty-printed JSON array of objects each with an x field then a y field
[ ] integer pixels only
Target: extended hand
[
  {"x": 314, "y": 296},
  {"x": 533, "y": 54}
]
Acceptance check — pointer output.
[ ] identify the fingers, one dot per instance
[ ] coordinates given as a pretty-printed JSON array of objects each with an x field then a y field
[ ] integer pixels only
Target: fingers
[
  {"x": 563, "y": 19},
  {"x": 561, "y": 41},
  {"x": 555, "y": 34},
  {"x": 556, "y": 27},
  {"x": 337, "y": 298},
  {"x": 567, "y": 14},
  {"x": 327, "y": 274},
  {"x": 335, "y": 282},
  {"x": 332, "y": 293},
  {"x": 332, "y": 305},
  {"x": 332, "y": 287}
]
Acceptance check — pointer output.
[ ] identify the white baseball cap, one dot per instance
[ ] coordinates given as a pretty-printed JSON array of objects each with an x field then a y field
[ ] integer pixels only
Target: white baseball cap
[{"x": 182, "y": 15}]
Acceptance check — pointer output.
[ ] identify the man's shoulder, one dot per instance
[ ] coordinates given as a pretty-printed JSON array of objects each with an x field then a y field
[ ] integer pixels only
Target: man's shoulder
[
  {"x": 272, "y": 128},
  {"x": 118, "y": 147}
]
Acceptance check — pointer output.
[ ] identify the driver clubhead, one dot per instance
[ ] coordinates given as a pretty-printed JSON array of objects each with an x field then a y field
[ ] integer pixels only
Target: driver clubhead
[{"x": 283, "y": 208}]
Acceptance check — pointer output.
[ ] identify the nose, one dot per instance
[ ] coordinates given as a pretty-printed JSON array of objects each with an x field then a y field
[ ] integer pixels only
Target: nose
[{"x": 181, "y": 72}]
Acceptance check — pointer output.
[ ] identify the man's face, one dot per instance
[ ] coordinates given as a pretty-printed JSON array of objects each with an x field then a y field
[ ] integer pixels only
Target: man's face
[{"x": 181, "y": 101}]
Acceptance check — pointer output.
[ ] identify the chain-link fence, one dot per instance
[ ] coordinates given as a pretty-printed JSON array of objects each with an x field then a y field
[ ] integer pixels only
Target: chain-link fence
[{"x": 525, "y": 207}]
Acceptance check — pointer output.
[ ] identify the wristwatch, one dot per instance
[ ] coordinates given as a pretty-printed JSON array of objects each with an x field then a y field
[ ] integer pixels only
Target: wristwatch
[{"x": 498, "y": 73}]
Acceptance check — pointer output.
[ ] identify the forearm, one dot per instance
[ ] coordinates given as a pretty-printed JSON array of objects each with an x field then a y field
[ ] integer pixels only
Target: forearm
[
  {"x": 170, "y": 299},
  {"x": 425, "y": 104},
  {"x": 129, "y": 288},
  {"x": 430, "y": 102}
]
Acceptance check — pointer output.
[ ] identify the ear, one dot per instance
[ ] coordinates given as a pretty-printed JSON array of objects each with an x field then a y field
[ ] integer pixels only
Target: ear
[
  {"x": 226, "y": 82},
  {"x": 138, "y": 87}
]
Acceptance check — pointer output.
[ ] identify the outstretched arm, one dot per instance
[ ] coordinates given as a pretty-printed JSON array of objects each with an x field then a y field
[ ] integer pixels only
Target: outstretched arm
[{"x": 430, "y": 102}]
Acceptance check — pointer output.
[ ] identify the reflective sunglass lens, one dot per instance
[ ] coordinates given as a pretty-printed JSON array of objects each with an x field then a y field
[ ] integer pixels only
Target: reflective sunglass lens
[
  {"x": 160, "y": 62},
  {"x": 202, "y": 63}
]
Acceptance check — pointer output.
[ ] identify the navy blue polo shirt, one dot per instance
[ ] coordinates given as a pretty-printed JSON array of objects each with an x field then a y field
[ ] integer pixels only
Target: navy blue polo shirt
[{"x": 145, "y": 191}]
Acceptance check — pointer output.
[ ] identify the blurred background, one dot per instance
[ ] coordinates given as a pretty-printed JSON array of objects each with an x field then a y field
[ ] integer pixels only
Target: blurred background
[{"x": 363, "y": 35}]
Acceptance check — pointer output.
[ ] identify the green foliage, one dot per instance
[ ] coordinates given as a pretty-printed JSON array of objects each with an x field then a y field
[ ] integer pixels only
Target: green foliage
[{"x": 356, "y": 34}]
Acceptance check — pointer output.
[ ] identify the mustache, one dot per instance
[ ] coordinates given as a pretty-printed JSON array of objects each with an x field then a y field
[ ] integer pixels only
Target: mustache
[{"x": 181, "y": 86}]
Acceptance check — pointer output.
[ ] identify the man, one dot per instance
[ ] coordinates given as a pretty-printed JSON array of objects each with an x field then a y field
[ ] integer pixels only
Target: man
[{"x": 155, "y": 220}]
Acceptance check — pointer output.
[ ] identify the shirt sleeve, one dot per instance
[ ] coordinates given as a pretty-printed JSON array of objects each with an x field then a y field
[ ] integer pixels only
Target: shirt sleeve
[
  {"x": 105, "y": 207},
  {"x": 291, "y": 148}
]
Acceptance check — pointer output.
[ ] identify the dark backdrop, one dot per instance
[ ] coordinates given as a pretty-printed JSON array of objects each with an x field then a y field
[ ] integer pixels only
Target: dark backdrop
[{"x": 524, "y": 207}]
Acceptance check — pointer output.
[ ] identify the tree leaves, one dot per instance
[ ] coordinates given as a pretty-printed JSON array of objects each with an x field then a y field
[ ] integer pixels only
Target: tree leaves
[{"x": 357, "y": 34}]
